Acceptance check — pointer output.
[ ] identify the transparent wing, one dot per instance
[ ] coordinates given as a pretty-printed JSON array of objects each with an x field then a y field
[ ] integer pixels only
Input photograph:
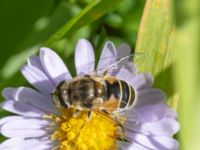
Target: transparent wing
[
  {"x": 114, "y": 67},
  {"x": 117, "y": 64},
  {"x": 125, "y": 62}
]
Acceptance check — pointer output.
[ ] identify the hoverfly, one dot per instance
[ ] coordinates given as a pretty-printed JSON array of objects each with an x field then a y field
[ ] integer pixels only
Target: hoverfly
[{"x": 97, "y": 91}]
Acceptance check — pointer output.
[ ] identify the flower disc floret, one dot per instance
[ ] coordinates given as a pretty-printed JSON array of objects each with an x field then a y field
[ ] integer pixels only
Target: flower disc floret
[{"x": 80, "y": 132}]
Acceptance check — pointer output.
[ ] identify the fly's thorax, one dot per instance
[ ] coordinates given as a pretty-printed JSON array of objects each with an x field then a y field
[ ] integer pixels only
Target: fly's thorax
[
  {"x": 84, "y": 90},
  {"x": 100, "y": 88}
]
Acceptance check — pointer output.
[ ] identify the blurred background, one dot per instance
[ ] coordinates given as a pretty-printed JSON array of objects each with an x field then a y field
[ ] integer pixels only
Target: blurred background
[{"x": 166, "y": 32}]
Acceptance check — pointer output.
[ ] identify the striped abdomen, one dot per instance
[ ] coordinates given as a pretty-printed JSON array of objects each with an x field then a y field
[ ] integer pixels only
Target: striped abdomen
[{"x": 119, "y": 90}]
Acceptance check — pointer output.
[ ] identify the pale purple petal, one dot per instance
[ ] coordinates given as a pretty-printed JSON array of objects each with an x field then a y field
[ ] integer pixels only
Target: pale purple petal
[
  {"x": 126, "y": 72},
  {"x": 24, "y": 127},
  {"x": 7, "y": 93},
  {"x": 23, "y": 144},
  {"x": 163, "y": 127},
  {"x": 32, "y": 97},
  {"x": 149, "y": 96},
  {"x": 7, "y": 119},
  {"x": 115, "y": 62},
  {"x": 54, "y": 66},
  {"x": 38, "y": 79},
  {"x": 35, "y": 62},
  {"x": 130, "y": 146},
  {"x": 84, "y": 57},
  {"x": 150, "y": 104},
  {"x": 108, "y": 56},
  {"x": 170, "y": 113},
  {"x": 43, "y": 145},
  {"x": 142, "y": 81},
  {"x": 123, "y": 50},
  {"x": 155, "y": 143},
  {"x": 21, "y": 108}
]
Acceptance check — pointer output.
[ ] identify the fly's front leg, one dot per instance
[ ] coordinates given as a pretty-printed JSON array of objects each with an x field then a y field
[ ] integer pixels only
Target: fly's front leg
[{"x": 76, "y": 113}]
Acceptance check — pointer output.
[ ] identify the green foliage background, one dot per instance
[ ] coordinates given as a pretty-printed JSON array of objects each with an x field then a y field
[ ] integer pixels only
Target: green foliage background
[{"x": 166, "y": 32}]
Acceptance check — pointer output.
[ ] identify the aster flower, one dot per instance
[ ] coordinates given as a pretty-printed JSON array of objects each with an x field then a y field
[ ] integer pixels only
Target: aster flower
[{"x": 39, "y": 124}]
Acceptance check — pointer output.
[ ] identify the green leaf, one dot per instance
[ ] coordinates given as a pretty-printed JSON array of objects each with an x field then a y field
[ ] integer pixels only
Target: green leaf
[
  {"x": 92, "y": 12},
  {"x": 17, "y": 19},
  {"x": 155, "y": 40},
  {"x": 15, "y": 62},
  {"x": 187, "y": 73},
  {"x": 100, "y": 43},
  {"x": 89, "y": 14}
]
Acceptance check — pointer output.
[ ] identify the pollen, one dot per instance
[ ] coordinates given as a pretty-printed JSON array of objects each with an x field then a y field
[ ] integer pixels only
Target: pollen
[{"x": 82, "y": 133}]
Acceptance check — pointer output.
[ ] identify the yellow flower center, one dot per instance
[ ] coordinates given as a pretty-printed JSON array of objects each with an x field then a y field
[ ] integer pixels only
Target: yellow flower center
[{"x": 82, "y": 133}]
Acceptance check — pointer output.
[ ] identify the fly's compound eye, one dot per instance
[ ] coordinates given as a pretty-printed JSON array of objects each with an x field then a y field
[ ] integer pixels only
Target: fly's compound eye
[{"x": 64, "y": 94}]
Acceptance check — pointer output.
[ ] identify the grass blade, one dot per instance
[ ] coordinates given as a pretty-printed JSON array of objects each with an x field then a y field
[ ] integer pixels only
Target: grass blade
[
  {"x": 155, "y": 40},
  {"x": 92, "y": 12},
  {"x": 187, "y": 73}
]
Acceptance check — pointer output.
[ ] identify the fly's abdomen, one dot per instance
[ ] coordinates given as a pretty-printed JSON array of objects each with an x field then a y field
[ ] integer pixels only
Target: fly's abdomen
[
  {"x": 128, "y": 95},
  {"x": 121, "y": 91}
]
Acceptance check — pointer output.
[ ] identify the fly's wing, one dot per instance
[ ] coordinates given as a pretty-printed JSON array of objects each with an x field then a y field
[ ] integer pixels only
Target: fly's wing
[
  {"x": 115, "y": 66},
  {"x": 121, "y": 136},
  {"x": 124, "y": 62},
  {"x": 106, "y": 115}
]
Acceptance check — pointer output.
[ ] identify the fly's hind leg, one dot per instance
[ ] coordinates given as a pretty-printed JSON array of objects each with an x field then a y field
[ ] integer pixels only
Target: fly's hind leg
[
  {"x": 102, "y": 109},
  {"x": 122, "y": 136}
]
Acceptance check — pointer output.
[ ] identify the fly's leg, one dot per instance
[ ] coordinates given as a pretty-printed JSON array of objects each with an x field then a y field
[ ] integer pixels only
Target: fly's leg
[
  {"x": 76, "y": 113},
  {"x": 89, "y": 115}
]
